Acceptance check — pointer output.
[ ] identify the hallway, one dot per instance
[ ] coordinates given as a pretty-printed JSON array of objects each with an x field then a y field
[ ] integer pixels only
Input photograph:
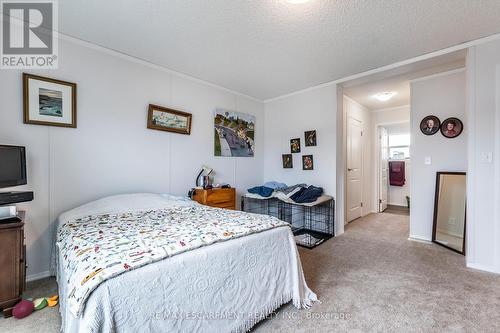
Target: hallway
[{"x": 372, "y": 278}]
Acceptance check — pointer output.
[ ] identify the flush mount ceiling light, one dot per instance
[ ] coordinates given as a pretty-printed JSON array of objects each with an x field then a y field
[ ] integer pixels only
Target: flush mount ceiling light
[{"x": 385, "y": 96}]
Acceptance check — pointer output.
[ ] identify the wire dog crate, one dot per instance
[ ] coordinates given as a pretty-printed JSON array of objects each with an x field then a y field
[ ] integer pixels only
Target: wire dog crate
[{"x": 311, "y": 224}]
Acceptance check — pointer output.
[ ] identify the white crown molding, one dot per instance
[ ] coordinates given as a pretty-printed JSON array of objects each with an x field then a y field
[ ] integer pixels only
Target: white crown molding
[
  {"x": 447, "y": 50},
  {"x": 144, "y": 62},
  {"x": 149, "y": 64},
  {"x": 433, "y": 76},
  {"x": 131, "y": 58},
  {"x": 350, "y": 99},
  {"x": 390, "y": 108}
]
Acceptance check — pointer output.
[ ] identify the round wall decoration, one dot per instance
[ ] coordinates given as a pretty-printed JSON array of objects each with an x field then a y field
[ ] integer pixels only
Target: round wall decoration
[
  {"x": 430, "y": 125},
  {"x": 451, "y": 128}
]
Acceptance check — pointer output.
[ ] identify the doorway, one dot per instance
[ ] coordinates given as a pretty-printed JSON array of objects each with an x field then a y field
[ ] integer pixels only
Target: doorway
[
  {"x": 385, "y": 98},
  {"x": 383, "y": 169},
  {"x": 394, "y": 164},
  {"x": 354, "y": 168}
]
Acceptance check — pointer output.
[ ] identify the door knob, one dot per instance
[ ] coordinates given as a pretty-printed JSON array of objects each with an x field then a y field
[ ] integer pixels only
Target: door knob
[{"x": 349, "y": 169}]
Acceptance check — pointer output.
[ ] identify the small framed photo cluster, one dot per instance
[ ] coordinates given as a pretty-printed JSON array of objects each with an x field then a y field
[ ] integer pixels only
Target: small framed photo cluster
[
  {"x": 295, "y": 147},
  {"x": 450, "y": 128}
]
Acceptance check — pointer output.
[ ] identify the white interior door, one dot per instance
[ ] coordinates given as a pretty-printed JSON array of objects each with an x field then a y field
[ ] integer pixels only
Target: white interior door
[
  {"x": 354, "y": 169},
  {"x": 384, "y": 169}
]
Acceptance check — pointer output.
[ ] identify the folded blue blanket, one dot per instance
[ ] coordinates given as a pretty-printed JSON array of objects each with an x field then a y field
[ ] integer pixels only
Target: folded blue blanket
[{"x": 263, "y": 191}]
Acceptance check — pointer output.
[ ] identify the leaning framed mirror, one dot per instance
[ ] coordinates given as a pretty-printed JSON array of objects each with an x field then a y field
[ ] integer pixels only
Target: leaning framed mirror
[{"x": 450, "y": 211}]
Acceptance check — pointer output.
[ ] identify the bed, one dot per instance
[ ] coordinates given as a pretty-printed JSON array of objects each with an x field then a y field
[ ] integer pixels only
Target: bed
[{"x": 209, "y": 283}]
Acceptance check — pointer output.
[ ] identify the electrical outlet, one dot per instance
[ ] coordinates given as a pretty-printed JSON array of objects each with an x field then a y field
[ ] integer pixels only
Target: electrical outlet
[
  {"x": 452, "y": 221},
  {"x": 487, "y": 157}
]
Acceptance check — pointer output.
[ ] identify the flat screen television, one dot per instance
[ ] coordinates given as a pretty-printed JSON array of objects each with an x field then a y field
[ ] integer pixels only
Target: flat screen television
[{"x": 12, "y": 166}]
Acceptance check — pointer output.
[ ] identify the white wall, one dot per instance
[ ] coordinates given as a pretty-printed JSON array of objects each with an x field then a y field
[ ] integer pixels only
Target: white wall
[
  {"x": 483, "y": 118},
  {"x": 112, "y": 151},
  {"x": 395, "y": 120},
  {"x": 396, "y": 115},
  {"x": 401, "y": 128},
  {"x": 288, "y": 118},
  {"x": 359, "y": 112},
  {"x": 442, "y": 95},
  {"x": 483, "y": 186}
]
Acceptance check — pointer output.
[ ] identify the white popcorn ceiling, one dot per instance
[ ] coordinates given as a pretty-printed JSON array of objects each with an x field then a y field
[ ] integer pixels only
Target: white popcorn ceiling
[
  {"x": 267, "y": 48},
  {"x": 397, "y": 80}
]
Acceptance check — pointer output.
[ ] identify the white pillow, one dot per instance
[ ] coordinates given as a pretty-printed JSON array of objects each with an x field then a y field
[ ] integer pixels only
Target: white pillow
[{"x": 125, "y": 202}]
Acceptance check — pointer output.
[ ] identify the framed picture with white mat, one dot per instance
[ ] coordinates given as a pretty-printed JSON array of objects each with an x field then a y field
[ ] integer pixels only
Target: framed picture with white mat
[{"x": 48, "y": 101}]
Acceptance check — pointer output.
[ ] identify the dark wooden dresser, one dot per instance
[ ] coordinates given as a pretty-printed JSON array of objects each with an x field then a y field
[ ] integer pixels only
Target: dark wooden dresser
[
  {"x": 12, "y": 264},
  {"x": 217, "y": 197}
]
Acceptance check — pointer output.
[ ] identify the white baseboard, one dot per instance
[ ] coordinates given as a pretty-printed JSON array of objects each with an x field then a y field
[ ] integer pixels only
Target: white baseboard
[
  {"x": 419, "y": 239},
  {"x": 37, "y": 276},
  {"x": 481, "y": 267},
  {"x": 398, "y": 204}
]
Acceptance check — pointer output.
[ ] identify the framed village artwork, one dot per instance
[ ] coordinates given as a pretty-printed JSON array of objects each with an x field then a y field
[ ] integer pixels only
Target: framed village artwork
[
  {"x": 165, "y": 119},
  {"x": 234, "y": 134}
]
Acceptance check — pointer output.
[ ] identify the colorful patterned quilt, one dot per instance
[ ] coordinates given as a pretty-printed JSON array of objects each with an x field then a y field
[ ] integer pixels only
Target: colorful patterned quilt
[{"x": 98, "y": 247}]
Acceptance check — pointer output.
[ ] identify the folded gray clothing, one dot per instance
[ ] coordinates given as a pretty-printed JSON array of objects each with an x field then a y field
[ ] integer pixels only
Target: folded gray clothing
[{"x": 291, "y": 188}]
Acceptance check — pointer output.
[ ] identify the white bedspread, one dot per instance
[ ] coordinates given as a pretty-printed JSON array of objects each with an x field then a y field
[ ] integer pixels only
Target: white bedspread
[{"x": 224, "y": 287}]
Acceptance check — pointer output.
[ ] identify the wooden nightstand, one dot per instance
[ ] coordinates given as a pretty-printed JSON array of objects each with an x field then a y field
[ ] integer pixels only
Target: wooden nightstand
[
  {"x": 217, "y": 197},
  {"x": 12, "y": 264}
]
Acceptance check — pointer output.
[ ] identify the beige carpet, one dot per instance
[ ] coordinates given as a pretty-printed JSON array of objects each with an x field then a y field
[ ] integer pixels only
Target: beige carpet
[{"x": 369, "y": 279}]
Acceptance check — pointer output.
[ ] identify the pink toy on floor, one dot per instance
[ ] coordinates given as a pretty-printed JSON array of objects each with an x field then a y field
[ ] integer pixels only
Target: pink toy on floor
[{"x": 23, "y": 309}]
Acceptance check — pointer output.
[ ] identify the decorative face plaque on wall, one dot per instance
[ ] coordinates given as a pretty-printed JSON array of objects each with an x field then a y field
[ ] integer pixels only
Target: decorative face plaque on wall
[
  {"x": 451, "y": 128},
  {"x": 48, "y": 101},
  {"x": 430, "y": 125}
]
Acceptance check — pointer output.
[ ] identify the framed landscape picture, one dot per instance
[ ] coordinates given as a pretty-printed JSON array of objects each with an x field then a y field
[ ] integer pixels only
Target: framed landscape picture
[
  {"x": 48, "y": 101},
  {"x": 234, "y": 134},
  {"x": 165, "y": 119}
]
